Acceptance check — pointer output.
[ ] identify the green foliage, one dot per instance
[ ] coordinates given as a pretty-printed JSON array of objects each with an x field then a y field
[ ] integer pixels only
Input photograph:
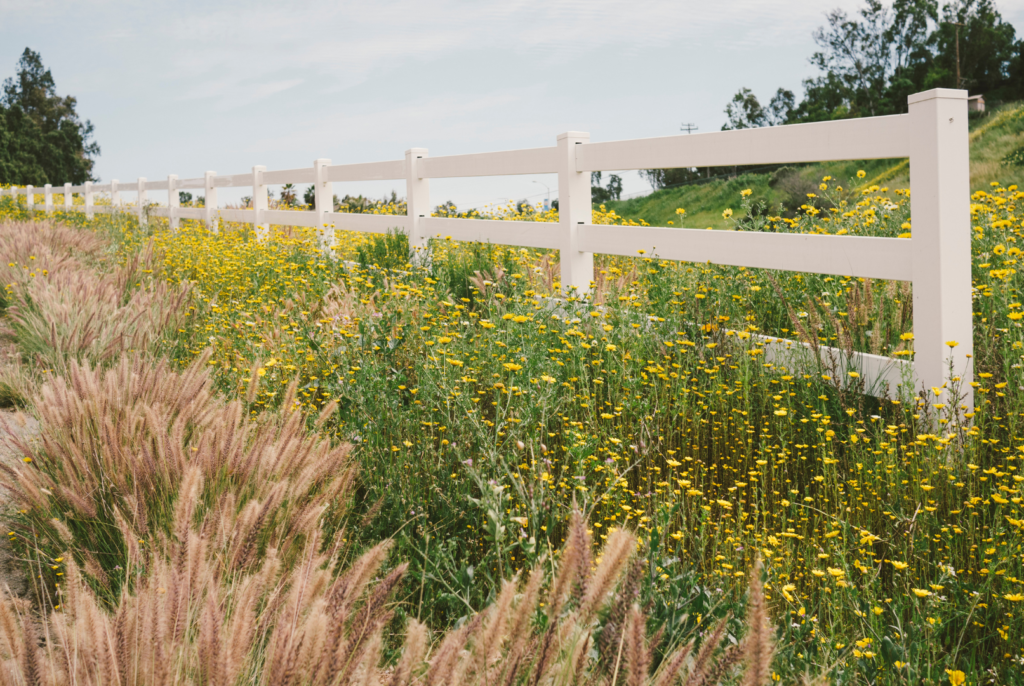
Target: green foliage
[
  {"x": 387, "y": 251},
  {"x": 42, "y": 140}
]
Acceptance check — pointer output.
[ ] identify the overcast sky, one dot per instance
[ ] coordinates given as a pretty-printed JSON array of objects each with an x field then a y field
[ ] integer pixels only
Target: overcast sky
[{"x": 183, "y": 87}]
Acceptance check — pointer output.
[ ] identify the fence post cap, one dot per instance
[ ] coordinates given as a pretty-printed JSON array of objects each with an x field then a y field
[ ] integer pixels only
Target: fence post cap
[
  {"x": 937, "y": 93},
  {"x": 574, "y": 134}
]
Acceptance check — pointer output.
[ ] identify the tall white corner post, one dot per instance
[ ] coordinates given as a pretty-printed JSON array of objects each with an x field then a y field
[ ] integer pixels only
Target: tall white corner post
[
  {"x": 30, "y": 198},
  {"x": 417, "y": 203},
  {"x": 260, "y": 203},
  {"x": 115, "y": 195},
  {"x": 87, "y": 198},
  {"x": 48, "y": 198},
  {"x": 67, "y": 197},
  {"x": 574, "y": 210},
  {"x": 173, "y": 202},
  {"x": 141, "y": 204},
  {"x": 323, "y": 203},
  {"x": 210, "y": 202},
  {"x": 940, "y": 189}
]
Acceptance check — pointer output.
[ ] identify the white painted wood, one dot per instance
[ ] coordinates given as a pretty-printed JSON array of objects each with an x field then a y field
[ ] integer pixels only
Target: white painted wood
[
  {"x": 941, "y": 217},
  {"x": 368, "y": 171},
  {"x": 30, "y": 197},
  {"x": 574, "y": 210},
  {"x": 323, "y": 202},
  {"x": 849, "y": 139},
  {"x": 506, "y": 162},
  {"x": 290, "y": 218},
  {"x": 78, "y": 189},
  {"x": 115, "y": 194},
  {"x": 288, "y": 176},
  {"x": 417, "y": 201},
  {"x": 233, "y": 181},
  {"x": 173, "y": 202},
  {"x": 160, "y": 212},
  {"x": 191, "y": 213},
  {"x": 156, "y": 185},
  {"x": 67, "y": 197},
  {"x": 369, "y": 223},
  {"x": 210, "y": 203},
  {"x": 48, "y": 198},
  {"x": 190, "y": 184},
  {"x": 260, "y": 203},
  {"x": 88, "y": 200},
  {"x": 141, "y": 202},
  {"x": 244, "y": 216},
  {"x": 526, "y": 234},
  {"x": 884, "y": 377},
  {"x": 875, "y": 258}
]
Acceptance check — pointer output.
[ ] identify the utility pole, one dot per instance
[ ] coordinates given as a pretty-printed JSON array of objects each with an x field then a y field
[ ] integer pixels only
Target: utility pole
[
  {"x": 957, "y": 30},
  {"x": 688, "y": 128}
]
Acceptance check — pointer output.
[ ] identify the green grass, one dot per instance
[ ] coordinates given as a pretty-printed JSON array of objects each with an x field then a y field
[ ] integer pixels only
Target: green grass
[{"x": 992, "y": 137}]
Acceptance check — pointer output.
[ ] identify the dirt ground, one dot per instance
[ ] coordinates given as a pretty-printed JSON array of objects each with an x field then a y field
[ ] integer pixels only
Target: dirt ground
[{"x": 14, "y": 425}]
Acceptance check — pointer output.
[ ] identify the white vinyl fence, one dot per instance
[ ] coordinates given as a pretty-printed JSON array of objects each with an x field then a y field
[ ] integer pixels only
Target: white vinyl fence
[{"x": 933, "y": 135}]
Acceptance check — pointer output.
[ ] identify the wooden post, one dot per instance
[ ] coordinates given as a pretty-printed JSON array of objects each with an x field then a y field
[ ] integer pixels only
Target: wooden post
[
  {"x": 48, "y": 198},
  {"x": 574, "y": 209},
  {"x": 417, "y": 202},
  {"x": 67, "y": 197},
  {"x": 115, "y": 195},
  {"x": 30, "y": 198},
  {"x": 260, "y": 203},
  {"x": 940, "y": 191},
  {"x": 173, "y": 220},
  {"x": 88, "y": 200},
  {"x": 323, "y": 202},
  {"x": 142, "y": 201},
  {"x": 210, "y": 203}
]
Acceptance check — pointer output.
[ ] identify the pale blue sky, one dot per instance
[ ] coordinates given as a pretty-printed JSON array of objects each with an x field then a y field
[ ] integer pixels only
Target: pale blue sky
[{"x": 183, "y": 87}]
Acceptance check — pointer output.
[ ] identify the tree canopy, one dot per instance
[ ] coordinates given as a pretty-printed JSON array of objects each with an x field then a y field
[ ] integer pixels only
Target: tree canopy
[
  {"x": 869, "y": 62},
  {"x": 42, "y": 139}
]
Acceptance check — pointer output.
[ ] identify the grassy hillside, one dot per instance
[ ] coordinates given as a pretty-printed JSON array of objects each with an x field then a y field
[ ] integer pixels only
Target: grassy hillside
[{"x": 992, "y": 137}]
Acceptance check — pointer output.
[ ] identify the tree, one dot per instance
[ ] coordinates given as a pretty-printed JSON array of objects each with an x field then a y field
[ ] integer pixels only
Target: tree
[
  {"x": 288, "y": 195},
  {"x": 746, "y": 112},
  {"x": 42, "y": 140},
  {"x": 869, "y": 62},
  {"x": 987, "y": 49},
  {"x": 599, "y": 195},
  {"x": 309, "y": 197}
]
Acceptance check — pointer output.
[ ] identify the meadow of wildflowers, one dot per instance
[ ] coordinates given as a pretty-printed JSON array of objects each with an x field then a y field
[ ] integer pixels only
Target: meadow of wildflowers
[{"x": 482, "y": 410}]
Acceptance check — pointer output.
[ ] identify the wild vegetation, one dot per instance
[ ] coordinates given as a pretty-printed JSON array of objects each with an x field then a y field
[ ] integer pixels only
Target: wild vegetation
[{"x": 482, "y": 412}]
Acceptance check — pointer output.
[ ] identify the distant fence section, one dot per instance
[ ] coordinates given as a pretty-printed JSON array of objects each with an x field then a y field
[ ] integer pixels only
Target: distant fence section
[{"x": 936, "y": 260}]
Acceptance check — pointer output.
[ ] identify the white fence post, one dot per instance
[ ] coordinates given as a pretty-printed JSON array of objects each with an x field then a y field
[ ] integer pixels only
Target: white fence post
[
  {"x": 115, "y": 195},
  {"x": 940, "y": 190},
  {"x": 210, "y": 203},
  {"x": 574, "y": 209},
  {"x": 30, "y": 198},
  {"x": 88, "y": 200},
  {"x": 260, "y": 203},
  {"x": 417, "y": 202},
  {"x": 48, "y": 198},
  {"x": 67, "y": 197},
  {"x": 172, "y": 202},
  {"x": 323, "y": 202},
  {"x": 142, "y": 201}
]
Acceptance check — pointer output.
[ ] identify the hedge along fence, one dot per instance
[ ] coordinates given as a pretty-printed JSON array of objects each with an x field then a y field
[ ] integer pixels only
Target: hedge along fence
[{"x": 936, "y": 259}]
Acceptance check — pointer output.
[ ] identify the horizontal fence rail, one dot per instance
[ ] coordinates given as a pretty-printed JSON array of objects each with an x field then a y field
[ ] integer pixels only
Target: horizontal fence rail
[{"x": 936, "y": 260}]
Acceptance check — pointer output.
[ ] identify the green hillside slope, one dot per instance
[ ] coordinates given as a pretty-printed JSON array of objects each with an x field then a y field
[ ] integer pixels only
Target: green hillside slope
[{"x": 992, "y": 137}]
